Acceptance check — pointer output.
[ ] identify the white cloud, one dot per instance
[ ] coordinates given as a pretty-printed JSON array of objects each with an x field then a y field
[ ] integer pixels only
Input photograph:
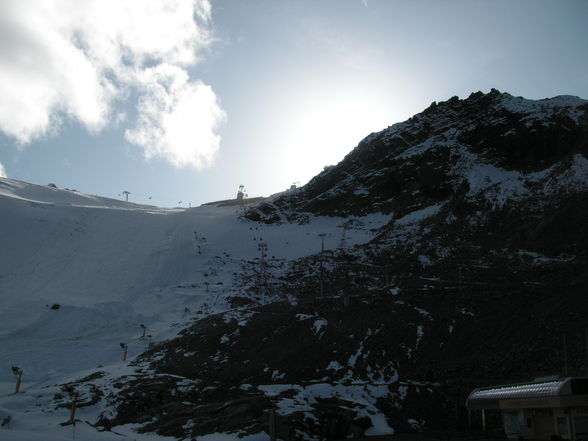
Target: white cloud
[
  {"x": 177, "y": 118},
  {"x": 2, "y": 171},
  {"x": 70, "y": 59}
]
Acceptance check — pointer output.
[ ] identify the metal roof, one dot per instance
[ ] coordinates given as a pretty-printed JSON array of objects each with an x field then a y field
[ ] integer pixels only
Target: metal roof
[{"x": 489, "y": 397}]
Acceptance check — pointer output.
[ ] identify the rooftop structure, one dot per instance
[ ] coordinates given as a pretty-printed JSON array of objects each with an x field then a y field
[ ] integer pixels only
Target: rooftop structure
[{"x": 540, "y": 409}]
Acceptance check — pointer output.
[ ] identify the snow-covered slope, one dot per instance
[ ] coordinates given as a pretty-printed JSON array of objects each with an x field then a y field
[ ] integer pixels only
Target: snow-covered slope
[
  {"x": 79, "y": 274},
  {"x": 111, "y": 266}
]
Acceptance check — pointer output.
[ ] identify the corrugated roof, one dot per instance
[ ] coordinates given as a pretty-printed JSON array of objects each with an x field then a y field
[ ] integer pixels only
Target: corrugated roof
[{"x": 492, "y": 395}]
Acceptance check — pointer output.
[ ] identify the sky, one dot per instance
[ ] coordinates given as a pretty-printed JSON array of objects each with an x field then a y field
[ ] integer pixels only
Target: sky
[{"x": 181, "y": 101}]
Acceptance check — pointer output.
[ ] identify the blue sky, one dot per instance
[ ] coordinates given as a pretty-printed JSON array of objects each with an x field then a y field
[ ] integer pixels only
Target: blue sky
[{"x": 179, "y": 100}]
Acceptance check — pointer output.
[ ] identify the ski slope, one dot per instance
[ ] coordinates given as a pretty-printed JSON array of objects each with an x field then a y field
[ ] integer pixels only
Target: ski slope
[{"x": 112, "y": 266}]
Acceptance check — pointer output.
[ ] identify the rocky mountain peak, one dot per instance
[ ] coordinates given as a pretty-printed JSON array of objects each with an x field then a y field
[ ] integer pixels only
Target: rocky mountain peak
[{"x": 456, "y": 147}]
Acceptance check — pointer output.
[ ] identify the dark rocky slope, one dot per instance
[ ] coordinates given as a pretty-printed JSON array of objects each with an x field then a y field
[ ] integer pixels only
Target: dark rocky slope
[
  {"x": 476, "y": 279},
  {"x": 429, "y": 158}
]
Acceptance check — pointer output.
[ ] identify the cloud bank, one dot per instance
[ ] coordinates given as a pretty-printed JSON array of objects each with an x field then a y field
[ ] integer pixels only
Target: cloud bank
[{"x": 66, "y": 59}]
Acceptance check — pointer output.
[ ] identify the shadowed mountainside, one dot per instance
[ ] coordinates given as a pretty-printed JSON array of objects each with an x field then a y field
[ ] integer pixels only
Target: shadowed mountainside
[{"x": 476, "y": 277}]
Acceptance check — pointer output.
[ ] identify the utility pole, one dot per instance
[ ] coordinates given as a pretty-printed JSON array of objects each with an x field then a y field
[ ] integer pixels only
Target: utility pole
[
  {"x": 74, "y": 395},
  {"x": 343, "y": 243},
  {"x": 262, "y": 247},
  {"x": 386, "y": 273},
  {"x": 126, "y": 193},
  {"x": 125, "y": 348},
  {"x": 460, "y": 278},
  {"x": 18, "y": 373},
  {"x": 346, "y": 282},
  {"x": 322, "y": 236},
  {"x": 565, "y": 355},
  {"x": 272, "y": 424},
  {"x": 347, "y": 287},
  {"x": 586, "y": 337}
]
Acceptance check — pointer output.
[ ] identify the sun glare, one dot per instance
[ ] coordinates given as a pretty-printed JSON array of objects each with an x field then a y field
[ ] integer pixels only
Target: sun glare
[{"x": 323, "y": 134}]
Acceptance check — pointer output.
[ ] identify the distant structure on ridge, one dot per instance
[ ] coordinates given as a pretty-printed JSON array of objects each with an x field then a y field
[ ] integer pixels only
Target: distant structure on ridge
[
  {"x": 241, "y": 193},
  {"x": 241, "y": 199}
]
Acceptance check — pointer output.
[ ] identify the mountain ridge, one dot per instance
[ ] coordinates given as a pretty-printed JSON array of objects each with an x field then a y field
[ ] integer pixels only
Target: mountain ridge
[{"x": 454, "y": 136}]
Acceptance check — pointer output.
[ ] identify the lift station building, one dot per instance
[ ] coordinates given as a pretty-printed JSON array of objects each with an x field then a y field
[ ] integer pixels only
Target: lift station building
[{"x": 544, "y": 409}]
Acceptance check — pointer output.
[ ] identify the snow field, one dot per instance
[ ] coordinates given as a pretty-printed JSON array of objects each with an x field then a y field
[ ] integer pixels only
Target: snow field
[{"x": 79, "y": 274}]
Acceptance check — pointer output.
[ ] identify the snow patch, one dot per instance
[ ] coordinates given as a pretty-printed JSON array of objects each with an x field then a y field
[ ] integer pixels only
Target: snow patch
[
  {"x": 542, "y": 109},
  {"x": 425, "y": 261},
  {"x": 420, "y": 333},
  {"x": 498, "y": 184},
  {"x": 302, "y": 398},
  {"x": 304, "y": 316},
  {"x": 335, "y": 365},
  {"x": 318, "y": 325},
  {"x": 379, "y": 426},
  {"x": 419, "y": 215}
]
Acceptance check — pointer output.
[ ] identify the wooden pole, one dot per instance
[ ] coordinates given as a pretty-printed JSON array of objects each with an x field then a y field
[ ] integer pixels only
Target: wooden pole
[
  {"x": 125, "y": 348},
  {"x": 74, "y": 407},
  {"x": 484, "y": 420},
  {"x": 565, "y": 354},
  {"x": 272, "y": 425},
  {"x": 586, "y": 336},
  {"x": 322, "y": 291},
  {"x": 18, "y": 381},
  {"x": 346, "y": 289},
  {"x": 322, "y": 236}
]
